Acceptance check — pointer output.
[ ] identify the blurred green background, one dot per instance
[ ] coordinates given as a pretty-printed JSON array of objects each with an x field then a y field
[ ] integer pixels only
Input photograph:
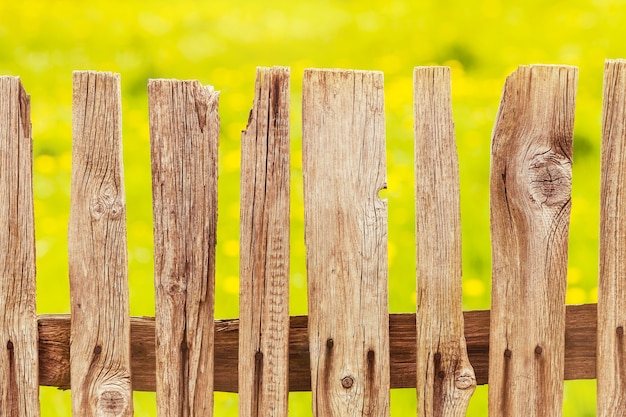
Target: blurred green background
[{"x": 221, "y": 43}]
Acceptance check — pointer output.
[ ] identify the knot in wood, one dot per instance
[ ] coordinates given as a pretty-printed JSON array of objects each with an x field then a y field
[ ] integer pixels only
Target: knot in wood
[
  {"x": 347, "y": 382},
  {"x": 104, "y": 205},
  {"x": 176, "y": 287},
  {"x": 112, "y": 403},
  {"x": 550, "y": 179},
  {"x": 465, "y": 380}
]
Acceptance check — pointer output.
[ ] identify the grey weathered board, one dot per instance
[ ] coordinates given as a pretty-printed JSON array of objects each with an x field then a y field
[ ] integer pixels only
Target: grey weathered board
[
  {"x": 445, "y": 377},
  {"x": 264, "y": 254},
  {"x": 19, "y": 371},
  {"x": 346, "y": 241},
  {"x": 98, "y": 266},
  {"x": 530, "y": 205},
  {"x": 184, "y": 130}
]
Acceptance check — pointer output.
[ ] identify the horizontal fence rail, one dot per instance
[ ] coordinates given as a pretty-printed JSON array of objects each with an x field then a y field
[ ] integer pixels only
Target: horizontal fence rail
[
  {"x": 580, "y": 349},
  {"x": 349, "y": 351}
]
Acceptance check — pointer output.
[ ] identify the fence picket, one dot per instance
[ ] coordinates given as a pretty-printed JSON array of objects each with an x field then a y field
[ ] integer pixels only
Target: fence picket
[
  {"x": 346, "y": 241},
  {"x": 264, "y": 289},
  {"x": 611, "y": 349},
  {"x": 530, "y": 205},
  {"x": 100, "y": 333},
  {"x": 349, "y": 351},
  {"x": 19, "y": 373},
  {"x": 445, "y": 378},
  {"x": 184, "y": 129}
]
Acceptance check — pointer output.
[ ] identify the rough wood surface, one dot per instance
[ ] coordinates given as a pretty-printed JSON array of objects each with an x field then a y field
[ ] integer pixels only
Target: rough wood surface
[
  {"x": 346, "y": 240},
  {"x": 100, "y": 339},
  {"x": 184, "y": 129},
  {"x": 19, "y": 379},
  {"x": 54, "y": 356},
  {"x": 530, "y": 206},
  {"x": 612, "y": 287},
  {"x": 264, "y": 254},
  {"x": 445, "y": 378}
]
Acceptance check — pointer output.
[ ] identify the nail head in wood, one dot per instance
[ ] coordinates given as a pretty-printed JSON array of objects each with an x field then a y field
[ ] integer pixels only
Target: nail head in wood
[{"x": 347, "y": 382}]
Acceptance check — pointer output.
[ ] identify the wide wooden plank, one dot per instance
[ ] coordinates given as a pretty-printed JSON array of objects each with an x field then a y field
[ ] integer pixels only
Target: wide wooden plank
[
  {"x": 19, "y": 379},
  {"x": 98, "y": 267},
  {"x": 184, "y": 130},
  {"x": 445, "y": 377},
  {"x": 612, "y": 286},
  {"x": 346, "y": 241},
  {"x": 264, "y": 254},
  {"x": 530, "y": 206},
  {"x": 54, "y": 353}
]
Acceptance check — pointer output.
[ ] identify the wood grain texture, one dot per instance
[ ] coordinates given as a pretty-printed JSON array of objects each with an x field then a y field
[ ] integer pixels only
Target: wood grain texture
[
  {"x": 531, "y": 162},
  {"x": 54, "y": 353},
  {"x": 184, "y": 130},
  {"x": 264, "y": 254},
  {"x": 98, "y": 267},
  {"x": 19, "y": 378},
  {"x": 346, "y": 241},
  {"x": 612, "y": 287},
  {"x": 445, "y": 377}
]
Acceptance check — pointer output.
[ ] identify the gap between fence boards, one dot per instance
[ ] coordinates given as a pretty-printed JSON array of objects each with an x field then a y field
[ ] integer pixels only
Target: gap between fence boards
[{"x": 54, "y": 333}]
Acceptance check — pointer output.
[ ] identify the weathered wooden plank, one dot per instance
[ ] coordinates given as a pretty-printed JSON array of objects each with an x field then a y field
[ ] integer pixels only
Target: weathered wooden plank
[
  {"x": 19, "y": 391},
  {"x": 530, "y": 206},
  {"x": 612, "y": 287},
  {"x": 445, "y": 378},
  {"x": 54, "y": 354},
  {"x": 98, "y": 267},
  {"x": 346, "y": 240},
  {"x": 184, "y": 130},
  {"x": 264, "y": 254}
]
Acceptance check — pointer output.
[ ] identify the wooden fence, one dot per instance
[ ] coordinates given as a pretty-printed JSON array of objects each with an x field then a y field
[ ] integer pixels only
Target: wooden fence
[{"x": 349, "y": 351}]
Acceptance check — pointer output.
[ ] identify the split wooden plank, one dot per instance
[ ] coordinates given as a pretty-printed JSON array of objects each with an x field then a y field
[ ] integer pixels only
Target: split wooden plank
[
  {"x": 184, "y": 130},
  {"x": 98, "y": 267},
  {"x": 264, "y": 254},
  {"x": 19, "y": 370},
  {"x": 346, "y": 241},
  {"x": 445, "y": 378},
  {"x": 530, "y": 206},
  {"x": 611, "y": 349}
]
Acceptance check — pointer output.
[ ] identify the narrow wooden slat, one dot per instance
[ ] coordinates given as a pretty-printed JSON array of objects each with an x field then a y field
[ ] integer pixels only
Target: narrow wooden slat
[
  {"x": 19, "y": 392},
  {"x": 530, "y": 206},
  {"x": 184, "y": 129},
  {"x": 264, "y": 254},
  {"x": 54, "y": 353},
  {"x": 612, "y": 287},
  {"x": 346, "y": 241},
  {"x": 445, "y": 378},
  {"x": 100, "y": 337}
]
